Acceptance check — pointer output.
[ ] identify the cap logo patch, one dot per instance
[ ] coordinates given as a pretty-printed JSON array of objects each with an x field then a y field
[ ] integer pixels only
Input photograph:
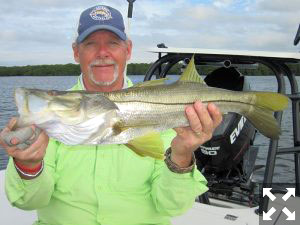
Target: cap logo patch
[{"x": 101, "y": 13}]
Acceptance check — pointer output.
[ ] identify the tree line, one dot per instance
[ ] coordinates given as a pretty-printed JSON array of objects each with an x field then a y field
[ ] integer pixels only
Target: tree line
[
  {"x": 62, "y": 70},
  {"x": 132, "y": 69}
]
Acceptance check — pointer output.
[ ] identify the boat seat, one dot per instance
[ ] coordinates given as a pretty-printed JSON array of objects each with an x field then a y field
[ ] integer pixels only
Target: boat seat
[{"x": 226, "y": 78}]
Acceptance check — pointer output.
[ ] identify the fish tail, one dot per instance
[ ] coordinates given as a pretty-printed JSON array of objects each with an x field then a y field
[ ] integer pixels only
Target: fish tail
[
  {"x": 150, "y": 144},
  {"x": 272, "y": 101},
  {"x": 261, "y": 112},
  {"x": 264, "y": 121}
]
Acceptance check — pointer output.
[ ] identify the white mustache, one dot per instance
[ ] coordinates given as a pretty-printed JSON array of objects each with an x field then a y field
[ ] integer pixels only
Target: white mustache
[{"x": 102, "y": 62}]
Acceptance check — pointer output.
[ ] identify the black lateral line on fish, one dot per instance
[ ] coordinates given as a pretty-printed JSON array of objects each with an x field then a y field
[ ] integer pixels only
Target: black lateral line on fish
[{"x": 165, "y": 103}]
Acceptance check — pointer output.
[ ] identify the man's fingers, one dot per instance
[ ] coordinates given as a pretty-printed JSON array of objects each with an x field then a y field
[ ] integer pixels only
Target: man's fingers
[
  {"x": 204, "y": 117},
  {"x": 14, "y": 141},
  {"x": 3, "y": 137},
  {"x": 193, "y": 117},
  {"x": 12, "y": 151},
  {"x": 215, "y": 114},
  {"x": 11, "y": 123},
  {"x": 179, "y": 130}
]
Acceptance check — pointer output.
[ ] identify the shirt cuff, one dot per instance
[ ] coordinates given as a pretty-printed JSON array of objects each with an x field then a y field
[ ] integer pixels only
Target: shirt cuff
[
  {"x": 15, "y": 186},
  {"x": 192, "y": 179}
]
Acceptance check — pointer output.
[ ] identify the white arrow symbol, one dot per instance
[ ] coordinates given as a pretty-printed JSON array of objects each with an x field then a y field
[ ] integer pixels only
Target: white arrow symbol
[
  {"x": 267, "y": 191},
  {"x": 267, "y": 216},
  {"x": 291, "y": 191},
  {"x": 290, "y": 216}
]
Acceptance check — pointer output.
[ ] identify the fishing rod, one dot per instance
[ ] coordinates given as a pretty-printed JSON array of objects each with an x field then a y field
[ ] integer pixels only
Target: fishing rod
[
  {"x": 297, "y": 37},
  {"x": 129, "y": 17},
  {"x": 129, "y": 14}
]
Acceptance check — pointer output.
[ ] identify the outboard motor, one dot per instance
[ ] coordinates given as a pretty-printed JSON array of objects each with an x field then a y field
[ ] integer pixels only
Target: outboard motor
[{"x": 221, "y": 159}]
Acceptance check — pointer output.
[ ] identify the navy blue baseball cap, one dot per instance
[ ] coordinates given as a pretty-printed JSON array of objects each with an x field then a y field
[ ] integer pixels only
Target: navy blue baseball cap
[{"x": 100, "y": 17}]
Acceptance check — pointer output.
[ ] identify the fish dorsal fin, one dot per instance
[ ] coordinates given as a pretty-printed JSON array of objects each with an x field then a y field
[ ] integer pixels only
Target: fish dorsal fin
[
  {"x": 190, "y": 73},
  {"x": 151, "y": 82},
  {"x": 150, "y": 144}
]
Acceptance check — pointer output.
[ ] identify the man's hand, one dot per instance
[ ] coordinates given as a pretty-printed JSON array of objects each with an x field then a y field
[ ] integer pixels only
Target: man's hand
[
  {"x": 31, "y": 156},
  {"x": 203, "y": 121}
]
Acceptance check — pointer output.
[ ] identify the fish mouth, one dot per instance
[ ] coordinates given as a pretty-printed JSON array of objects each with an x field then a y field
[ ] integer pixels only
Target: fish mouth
[
  {"x": 20, "y": 100},
  {"x": 29, "y": 101},
  {"x": 21, "y": 103}
]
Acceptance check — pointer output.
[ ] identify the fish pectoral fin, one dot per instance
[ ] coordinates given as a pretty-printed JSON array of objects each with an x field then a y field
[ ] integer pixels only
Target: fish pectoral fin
[
  {"x": 105, "y": 125},
  {"x": 150, "y": 144},
  {"x": 191, "y": 74},
  {"x": 151, "y": 83}
]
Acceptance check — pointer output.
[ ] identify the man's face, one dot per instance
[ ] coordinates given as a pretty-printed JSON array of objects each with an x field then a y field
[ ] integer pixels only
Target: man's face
[{"x": 102, "y": 57}]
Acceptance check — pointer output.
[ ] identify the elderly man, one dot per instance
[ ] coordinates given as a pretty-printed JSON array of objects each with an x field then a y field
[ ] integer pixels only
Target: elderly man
[{"x": 108, "y": 184}]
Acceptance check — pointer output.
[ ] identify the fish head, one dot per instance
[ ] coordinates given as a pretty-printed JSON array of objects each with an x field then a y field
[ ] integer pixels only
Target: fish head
[
  {"x": 29, "y": 101},
  {"x": 39, "y": 106}
]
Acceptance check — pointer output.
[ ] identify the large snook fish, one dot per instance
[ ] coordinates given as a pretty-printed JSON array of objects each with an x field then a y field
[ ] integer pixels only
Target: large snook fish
[{"x": 127, "y": 116}]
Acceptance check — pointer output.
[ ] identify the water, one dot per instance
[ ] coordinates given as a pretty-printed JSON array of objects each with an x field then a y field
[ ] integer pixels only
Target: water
[{"x": 284, "y": 170}]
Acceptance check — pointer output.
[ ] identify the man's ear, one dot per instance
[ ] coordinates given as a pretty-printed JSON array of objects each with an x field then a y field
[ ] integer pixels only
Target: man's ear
[
  {"x": 129, "y": 49},
  {"x": 75, "y": 48}
]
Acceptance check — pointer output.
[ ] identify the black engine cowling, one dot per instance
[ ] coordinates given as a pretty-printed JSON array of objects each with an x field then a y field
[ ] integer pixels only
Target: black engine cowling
[{"x": 232, "y": 138}]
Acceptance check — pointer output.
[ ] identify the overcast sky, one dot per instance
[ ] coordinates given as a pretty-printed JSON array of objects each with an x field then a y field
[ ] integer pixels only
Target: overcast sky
[{"x": 42, "y": 31}]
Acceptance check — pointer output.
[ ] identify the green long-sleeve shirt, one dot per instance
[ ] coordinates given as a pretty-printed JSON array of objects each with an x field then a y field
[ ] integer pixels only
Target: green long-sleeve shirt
[{"x": 103, "y": 184}]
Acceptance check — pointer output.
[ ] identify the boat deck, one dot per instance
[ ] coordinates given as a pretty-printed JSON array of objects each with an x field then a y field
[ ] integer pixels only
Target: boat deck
[{"x": 13, "y": 215}]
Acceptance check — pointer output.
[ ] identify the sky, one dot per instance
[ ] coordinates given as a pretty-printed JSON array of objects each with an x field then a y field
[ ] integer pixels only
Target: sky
[{"x": 34, "y": 32}]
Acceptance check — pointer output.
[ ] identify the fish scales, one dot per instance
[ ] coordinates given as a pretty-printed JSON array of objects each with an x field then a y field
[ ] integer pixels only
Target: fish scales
[{"x": 177, "y": 94}]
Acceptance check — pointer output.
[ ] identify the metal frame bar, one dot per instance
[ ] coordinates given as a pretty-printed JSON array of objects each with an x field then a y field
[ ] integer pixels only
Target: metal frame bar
[
  {"x": 273, "y": 146},
  {"x": 292, "y": 150},
  {"x": 164, "y": 59},
  {"x": 296, "y": 122}
]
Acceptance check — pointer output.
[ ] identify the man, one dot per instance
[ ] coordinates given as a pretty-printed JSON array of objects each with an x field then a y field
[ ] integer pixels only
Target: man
[{"x": 108, "y": 184}]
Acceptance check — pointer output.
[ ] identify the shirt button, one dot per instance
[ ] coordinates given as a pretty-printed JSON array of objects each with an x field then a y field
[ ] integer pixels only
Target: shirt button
[{"x": 100, "y": 218}]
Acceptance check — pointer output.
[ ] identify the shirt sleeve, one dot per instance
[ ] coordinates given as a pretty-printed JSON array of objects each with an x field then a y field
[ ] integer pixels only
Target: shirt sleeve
[
  {"x": 35, "y": 193},
  {"x": 173, "y": 193}
]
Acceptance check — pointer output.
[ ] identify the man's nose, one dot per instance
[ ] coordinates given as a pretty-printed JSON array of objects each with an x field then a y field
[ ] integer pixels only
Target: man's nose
[{"x": 102, "y": 51}]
